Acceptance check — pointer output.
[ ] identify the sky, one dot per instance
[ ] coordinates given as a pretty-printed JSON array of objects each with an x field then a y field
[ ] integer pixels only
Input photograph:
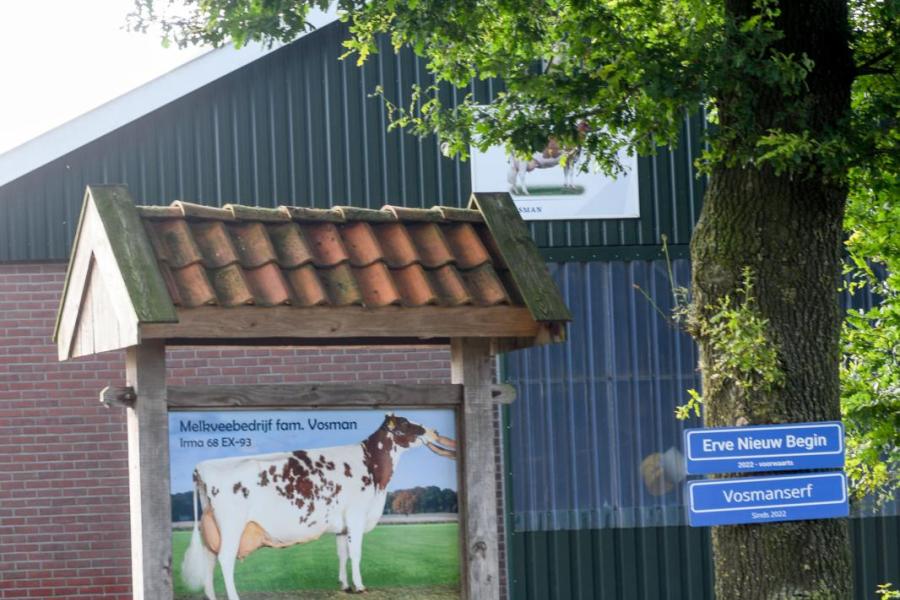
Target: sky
[
  {"x": 62, "y": 58},
  {"x": 418, "y": 466}
]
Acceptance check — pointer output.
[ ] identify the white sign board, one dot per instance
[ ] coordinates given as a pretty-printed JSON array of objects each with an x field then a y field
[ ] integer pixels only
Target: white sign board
[{"x": 545, "y": 190}]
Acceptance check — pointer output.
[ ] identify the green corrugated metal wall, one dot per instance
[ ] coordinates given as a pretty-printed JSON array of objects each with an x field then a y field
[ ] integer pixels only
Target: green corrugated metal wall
[
  {"x": 664, "y": 563},
  {"x": 647, "y": 563},
  {"x": 298, "y": 127},
  {"x": 583, "y": 523}
]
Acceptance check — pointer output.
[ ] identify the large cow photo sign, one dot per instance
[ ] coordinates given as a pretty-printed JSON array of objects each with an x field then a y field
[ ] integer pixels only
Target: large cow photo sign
[
  {"x": 247, "y": 483},
  {"x": 557, "y": 183},
  {"x": 261, "y": 490}
]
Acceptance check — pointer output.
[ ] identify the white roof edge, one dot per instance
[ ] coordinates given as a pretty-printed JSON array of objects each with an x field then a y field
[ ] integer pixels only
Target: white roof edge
[{"x": 140, "y": 101}]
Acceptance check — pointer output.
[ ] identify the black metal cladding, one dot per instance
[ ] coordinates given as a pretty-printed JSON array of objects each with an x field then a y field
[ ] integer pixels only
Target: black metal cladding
[{"x": 299, "y": 127}]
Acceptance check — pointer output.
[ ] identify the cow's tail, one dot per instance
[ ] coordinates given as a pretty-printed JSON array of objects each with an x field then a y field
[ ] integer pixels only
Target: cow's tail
[{"x": 196, "y": 559}]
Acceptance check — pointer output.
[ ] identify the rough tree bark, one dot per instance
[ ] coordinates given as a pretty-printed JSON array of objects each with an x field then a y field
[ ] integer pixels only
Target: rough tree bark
[{"x": 787, "y": 229}]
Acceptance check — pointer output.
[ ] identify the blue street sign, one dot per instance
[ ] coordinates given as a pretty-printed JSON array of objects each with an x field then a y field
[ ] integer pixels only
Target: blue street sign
[
  {"x": 767, "y": 499},
  {"x": 789, "y": 447}
]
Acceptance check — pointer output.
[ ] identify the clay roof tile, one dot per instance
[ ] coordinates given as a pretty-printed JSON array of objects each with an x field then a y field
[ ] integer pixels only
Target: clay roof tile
[
  {"x": 485, "y": 286},
  {"x": 253, "y": 244},
  {"x": 353, "y": 213},
  {"x": 268, "y": 286},
  {"x": 179, "y": 248},
  {"x": 403, "y": 213},
  {"x": 376, "y": 285},
  {"x": 171, "y": 285},
  {"x": 231, "y": 286},
  {"x": 201, "y": 211},
  {"x": 194, "y": 287},
  {"x": 214, "y": 242},
  {"x": 465, "y": 245},
  {"x": 361, "y": 244},
  {"x": 256, "y": 213},
  {"x": 325, "y": 242},
  {"x": 396, "y": 244},
  {"x": 303, "y": 214},
  {"x": 449, "y": 286},
  {"x": 289, "y": 245},
  {"x": 306, "y": 286},
  {"x": 159, "y": 212},
  {"x": 451, "y": 213},
  {"x": 414, "y": 286},
  {"x": 430, "y": 244},
  {"x": 340, "y": 285}
]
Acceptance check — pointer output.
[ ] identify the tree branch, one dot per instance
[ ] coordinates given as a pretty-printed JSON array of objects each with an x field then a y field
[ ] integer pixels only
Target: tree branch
[
  {"x": 873, "y": 60},
  {"x": 860, "y": 72}
]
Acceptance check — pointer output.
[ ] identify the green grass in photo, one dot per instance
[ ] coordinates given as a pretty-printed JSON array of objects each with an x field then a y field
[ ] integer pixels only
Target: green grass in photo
[
  {"x": 432, "y": 593},
  {"x": 552, "y": 190},
  {"x": 406, "y": 561}
]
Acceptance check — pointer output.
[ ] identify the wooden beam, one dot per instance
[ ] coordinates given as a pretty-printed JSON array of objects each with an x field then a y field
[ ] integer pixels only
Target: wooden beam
[
  {"x": 471, "y": 366},
  {"x": 305, "y": 342},
  {"x": 148, "y": 473},
  {"x": 281, "y": 322},
  {"x": 311, "y": 395}
]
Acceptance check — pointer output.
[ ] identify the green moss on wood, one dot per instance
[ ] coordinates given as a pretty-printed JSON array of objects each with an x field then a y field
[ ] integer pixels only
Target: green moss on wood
[
  {"x": 528, "y": 270},
  {"x": 133, "y": 253}
]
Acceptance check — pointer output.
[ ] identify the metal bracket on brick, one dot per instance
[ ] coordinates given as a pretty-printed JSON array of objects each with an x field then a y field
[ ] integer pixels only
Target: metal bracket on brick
[{"x": 118, "y": 396}]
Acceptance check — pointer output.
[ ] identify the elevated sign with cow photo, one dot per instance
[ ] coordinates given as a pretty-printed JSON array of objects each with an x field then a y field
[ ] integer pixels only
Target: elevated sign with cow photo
[
  {"x": 557, "y": 183},
  {"x": 286, "y": 501},
  {"x": 259, "y": 474}
]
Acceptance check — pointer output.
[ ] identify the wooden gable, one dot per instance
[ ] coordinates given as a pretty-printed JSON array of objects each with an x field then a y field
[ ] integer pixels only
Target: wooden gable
[{"x": 112, "y": 285}]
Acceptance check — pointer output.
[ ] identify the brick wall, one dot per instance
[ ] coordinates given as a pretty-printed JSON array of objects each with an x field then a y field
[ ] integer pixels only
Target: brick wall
[{"x": 64, "y": 529}]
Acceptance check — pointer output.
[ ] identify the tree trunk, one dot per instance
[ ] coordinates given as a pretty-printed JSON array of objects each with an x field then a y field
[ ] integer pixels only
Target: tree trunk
[
  {"x": 789, "y": 234},
  {"x": 788, "y": 231}
]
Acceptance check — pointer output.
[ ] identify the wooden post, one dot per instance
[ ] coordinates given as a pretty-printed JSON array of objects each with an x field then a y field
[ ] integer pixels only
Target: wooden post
[
  {"x": 471, "y": 366},
  {"x": 148, "y": 473}
]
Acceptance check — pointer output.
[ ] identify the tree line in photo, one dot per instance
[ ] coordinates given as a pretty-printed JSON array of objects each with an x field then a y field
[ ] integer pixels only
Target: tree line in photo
[
  {"x": 430, "y": 499},
  {"x": 417, "y": 500}
]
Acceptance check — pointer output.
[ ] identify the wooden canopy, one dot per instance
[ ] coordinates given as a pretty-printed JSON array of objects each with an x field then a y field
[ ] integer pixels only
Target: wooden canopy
[{"x": 193, "y": 274}]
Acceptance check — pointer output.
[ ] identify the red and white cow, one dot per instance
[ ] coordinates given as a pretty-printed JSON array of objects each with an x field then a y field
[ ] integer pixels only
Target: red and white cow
[
  {"x": 288, "y": 498},
  {"x": 551, "y": 156}
]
